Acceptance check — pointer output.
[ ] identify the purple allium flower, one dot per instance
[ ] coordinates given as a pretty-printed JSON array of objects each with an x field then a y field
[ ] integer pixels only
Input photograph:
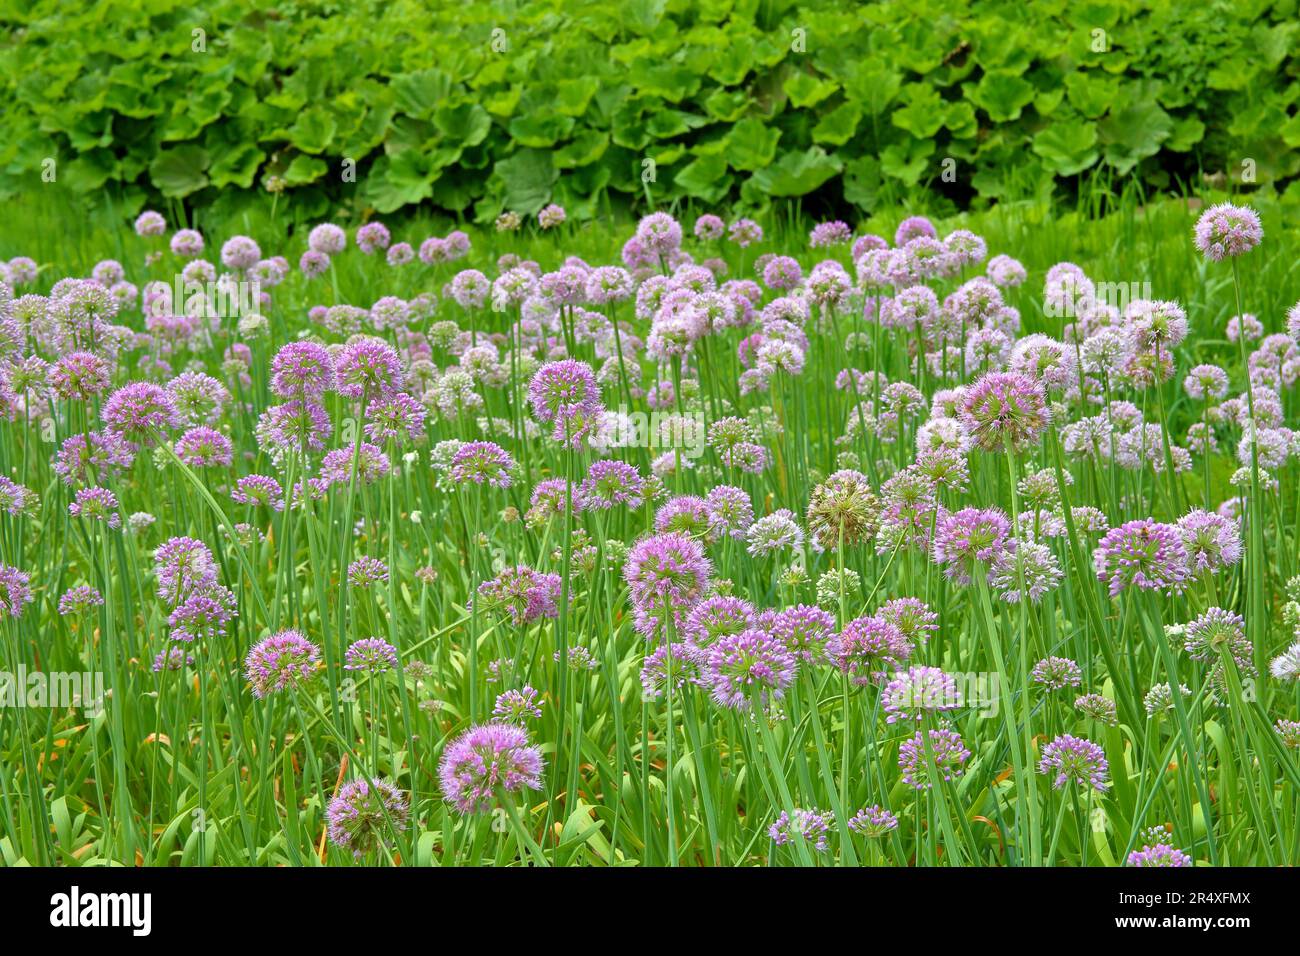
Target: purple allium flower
[
  {"x": 826, "y": 234},
  {"x": 774, "y": 532},
  {"x": 400, "y": 253},
  {"x": 551, "y": 216},
  {"x": 685, "y": 513},
  {"x": 486, "y": 759},
  {"x": 137, "y": 410},
  {"x": 204, "y": 447},
  {"x": 15, "y": 590},
  {"x": 257, "y": 490},
  {"x": 1005, "y": 409},
  {"x": 717, "y": 616},
  {"x": 182, "y": 566},
  {"x": 745, "y": 232},
  {"x": 1289, "y": 731},
  {"x": 1161, "y": 854},
  {"x": 1056, "y": 673},
  {"x": 150, "y": 223},
  {"x": 187, "y": 243},
  {"x": 561, "y": 390},
  {"x": 1286, "y": 666},
  {"x": 358, "y": 818},
  {"x": 523, "y": 594},
  {"x": 709, "y": 228},
  {"x": 917, "y": 691},
  {"x": 174, "y": 658},
  {"x": 1211, "y": 541},
  {"x": 79, "y": 600},
  {"x": 1025, "y": 563},
  {"x": 684, "y": 659},
  {"x": 873, "y": 822},
  {"x": 965, "y": 537},
  {"x": 395, "y": 416},
  {"x": 730, "y": 511},
  {"x": 950, "y": 755},
  {"x": 1216, "y": 632},
  {"x": 914, "y": 227},
  {"x": 239, "y": 253},
  {"x": 913, "y": 618},
  {"x": 1227, "y": 230},
  {"x": 812, "y": 825},
  {"x": 283, "y": 660},
  {"x": 298, "y": 427},
  {"x": 482, "y": 462},
  {"x": 366, "y": 571},
  {"x": 373, "y": 237},
  {"x": 1098, "y": 708},
  {"x": 203, "y": 614},
  {"x": 371, "y": 654},
  {"x": 1144, "y": 554},
  {"x": 844, "y": 509},
  {"x": 867, "y": 649},
  {"x": 609, "y": 483},
  {"x": 782, "y": 272},
  {"x": 368, "y": 368},
  {"x": 302, "y": 370},
  {"x": 660, "y": 233},
  {"x": 665, "y": 570},
  {"x": 516, "y": 706},
  {"x": 80, "y": 376},
  {"x": 806, "y": 631},
  {"x": 96, "y": 504},
  {"x": 1074, "y": 759},
  {"x": 327, "y": 238},
  {"x": 1005, "y": 271},
  {"x": 753, "y": 667},
  {"x": 16, "y": 499}
]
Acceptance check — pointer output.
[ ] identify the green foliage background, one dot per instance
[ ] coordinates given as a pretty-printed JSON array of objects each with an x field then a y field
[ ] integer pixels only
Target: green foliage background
[{"x": 849, "y": 105}]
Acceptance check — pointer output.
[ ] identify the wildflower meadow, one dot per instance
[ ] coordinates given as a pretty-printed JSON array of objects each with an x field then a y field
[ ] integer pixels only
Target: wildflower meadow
[{"x": 746, "y": 532}]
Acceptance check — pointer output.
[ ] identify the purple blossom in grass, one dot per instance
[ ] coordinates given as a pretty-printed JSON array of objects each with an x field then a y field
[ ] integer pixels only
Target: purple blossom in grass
[
  {"x": 919, "y": 691},
  {"x": 685, "y": 513},
  {"x": 1144, "y": 554},
  {"x": 469, "y": 289},
  {"x": 965, "y": 537},
  {"x": 255, "y": 490},
  {"x": 665, "y": 570},
  {"x": 516, "y": 706},
  {"x": 1289, "y": 731},
  {"x": 182, "y": 566},
  {"x": 805, "y": 630},
  {"x": 486, "y": 759},
  {"x": 80, "y": 376},
  {"x": 1004, "y": 410},
  {"x": 399, "y": 254},
  {"x": 717, "y": 616},
  {"x": 1212, "y": 542},
  {"x": 16, "y": 499},
  {"x": 150, "y": 223},
  {"x": 950, "y": 756},
  {"x": 1025, "y": 567},
  {"x": 302, "y": 370},
  {"x": 79, "y": 600},
  {"x": 187, "y": 243},
  {"x": 873, "y": 822},
  {"x": 772, "y": 533},
  {"x": 730, "y": 511},
  {"x": 1005, "y": 271},
  {"x": 709, "y": 228},
  {"x": 1098, "y": 708},
  {"x": 96, "y": 504},
  {"x": 15, "y": 591},
  {"x": 1286, "y": 666},
  {"x": 373, "y": 237},
  {"x": 359, "y": 817},
  {"x": 561, "y": 390},
  {"x": 1056, "y": 673},
  {"x": 327, "y": 238},
  {"x": 283, "y": 660},
  {"x": 782, "y": 272},
  {"x": 745, "y": 232},
  {"x": 204, "y": 447},
  {"x": 753, "y": 667},
  {"x": 551, "y": 216},
  {"x": 368, "y": 368},
  {"x": 371, "y": 465},
  {"x": 172, "y": 659},
  {"x": 812, "y": 825},
  {"x": 137, "y": 410},
  {"x": 660, "y": 233},
  {"x": 912, "y": 616},
  {"x": 299, "y": 427},
  {"x": 396, "y": 417},
  {"x": 867, "y": 649},
  {"x": 685, "y": 660},
  {"x": 914, "y": 227},
  {"x": 366, "y": 571},
  {"x": 1160, "y": 854},
  {"x": 548, "y": 498},
  {"x": 826, "y": 234},
  {"x": 371, "y": 654},
  {"x": 203, "y": 615},
  {"x": 1076, "y": 760},
  {"x": 239, "y": 253},
  {"x": 523, "y": 594},
  {"x": 1216, "y": 632},
  {"x": 482, "y": 462},
  {"x": 1227, "y": 230}
]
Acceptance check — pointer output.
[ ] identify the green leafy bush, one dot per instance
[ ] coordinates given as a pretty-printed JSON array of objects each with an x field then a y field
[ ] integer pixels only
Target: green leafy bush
[{"x": 478, "y": 107}]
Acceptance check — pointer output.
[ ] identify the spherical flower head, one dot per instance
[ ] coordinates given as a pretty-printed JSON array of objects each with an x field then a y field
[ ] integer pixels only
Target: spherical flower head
[
  {"x": 1227, "y": 230},
  {"x": 483, "y": 463},
  {"x": 745, "y": 232},
  {"x": 919, "y": 691},
  {"x": 1004, "y": 271},
  {"x": 1076, "y": 760},
  {"x": 368, "y": 368},
  {"x": 1286, "y": 666},
  {"x": 136, "y": 411},
  {"x": 914, "y": 227},
  {"x": 660, "y": 233},
  {"x": 826, "y": 234},
  {"x": 1025, "y": 567},
  {"x": 666, "y": 570},
  {"x": 366, "y": 571},
  {"x": 913, "y": 618},
  {"x": 187, "y": 243},
  {"x": 359, "y": 817},
  {"x": 873, "y": 822},
  {"x": 521, "y": 593},
  {"x": 399, "y": 254},
  {"x": 371, "y": 654},
  {"x": 551, "y": 216},
  {"x": 1217, "y": 632},
  {"x": 772, "y": 533},
  {"x": 867, "y": 648},
  {"x": 372, "y": 237},
  {"x": 327, "y": 238},
  {"x": 79, "y": 600},
  {"x": 805, "y": 630},
  {"x": 283, "y": 660},
  {"x": 96, "y": 504},
  {"x": 1056, "y": 673},
  {"x": 1145, "y": 554},
  {"x": 1212, "y": 542},
  {"x": 685, "y": 513},
  {"x": 1161, "y": 854},
  {"x": 203, "y": 614},
  {"x": 950, "y": 756},
  {"x": 730, "y": 511},
  {"x": 782, "y": 272},
  {"x": 1289, "y": 731},
  {"x": 516, "y": 706},
  {"x": 302, "y": 370},
  {"x": 608, "y": 483},
  {"x": 844, "y": 509},
  {"x": 203, "y": 447},
  {"x": 965, "y": 537},
  {"x": 1098, "y": 708},
  {"x": 240, "y": 252},
  {"x": 810, "y": 825},
  {"x": 716, "y": 617},
  {"x": 748, "y": 669},
  {"x": 486, "y": 759},
  {"x": 150, "y": 223},
  {"x": 15, "y": 591},
  {"x": 560, "y": 390},
  {"x": 709, "y": 228},
  {"x": 1005, "y": 410},
  {"x": 259, "y": 490},
  {"x": 80, "y": 376}
]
